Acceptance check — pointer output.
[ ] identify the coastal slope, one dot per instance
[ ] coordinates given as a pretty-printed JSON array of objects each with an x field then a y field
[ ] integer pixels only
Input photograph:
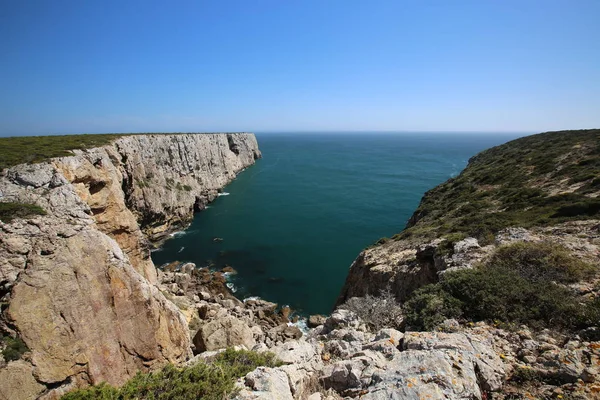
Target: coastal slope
[{"x": 537, "y": 182}]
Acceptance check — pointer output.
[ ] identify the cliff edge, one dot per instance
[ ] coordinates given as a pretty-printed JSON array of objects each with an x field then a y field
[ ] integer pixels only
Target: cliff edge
[
  {"x": 546, "y": 185},
  {"x": 76, "y": 280}
]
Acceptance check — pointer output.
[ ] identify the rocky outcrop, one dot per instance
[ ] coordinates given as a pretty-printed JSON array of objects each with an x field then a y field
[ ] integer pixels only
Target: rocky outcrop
[
  {"x": 166, "y": 177},
  {"x": 406, "y": 265},
  {"x": 77, "y": 284},
  {"x": 381, "y": 365},
  {"x": 223, "y": 332}
]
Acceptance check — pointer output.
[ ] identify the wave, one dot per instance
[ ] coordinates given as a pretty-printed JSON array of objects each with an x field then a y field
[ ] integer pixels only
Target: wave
[
  {"x": 300, "y": 324},
  {"x": 181, "y": 249},
  {"x": 251, "y": 298},
  {"x": 222, "y": 194},
  {"x": 231, "y": 287}
]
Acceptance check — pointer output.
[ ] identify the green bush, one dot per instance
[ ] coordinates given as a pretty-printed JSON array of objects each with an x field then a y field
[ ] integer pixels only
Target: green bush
[
  {"x": 212, "y": 380},
  {"x": 541, "y": 261},
  {"x": 519, "y": 284},
  {"x": 430, "y": 306},
  {"x": 11, "y": 210},
  {"x": 14, "y": 348}
]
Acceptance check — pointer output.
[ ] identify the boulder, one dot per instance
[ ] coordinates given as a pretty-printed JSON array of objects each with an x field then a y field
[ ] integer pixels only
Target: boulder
[
  {"x": 316, "y": 320},
  {"x": 265, "y": 384},
  {"x": 223, "y": 332},
  {"x": 18, "y": 382}
]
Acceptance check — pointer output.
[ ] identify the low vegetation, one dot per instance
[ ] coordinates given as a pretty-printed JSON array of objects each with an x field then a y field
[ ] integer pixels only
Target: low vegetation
[
  {"x": 12, "y": 210},
  {"x": 205, "y": 380},
  {"x": 377, "y": 312},
  {"x": 533, "y": 181},
  {"x": 523, "y": 283},
  {"x": 32, "y": 149},
  {"x": 13, "y": 348}
]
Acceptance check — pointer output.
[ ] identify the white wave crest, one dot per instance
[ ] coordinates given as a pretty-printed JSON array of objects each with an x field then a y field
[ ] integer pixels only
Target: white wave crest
[
  {"x": 252, "y": 298},
  {"x": 223, "y": 194},
  {"x": 301, "y": 324},
  {"x": 231, "y": 287},
  {"x": 181, "y": 249}
]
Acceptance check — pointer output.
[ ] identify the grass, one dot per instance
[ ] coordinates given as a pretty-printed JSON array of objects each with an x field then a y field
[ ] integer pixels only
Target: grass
[
  {"x": 11, "y": 210},
  {"x": 33, "y": 149},
  {"x": 205, "y": 380},
  {"x": 520, "y": 183},
  {"x": 521, "y": 283}
]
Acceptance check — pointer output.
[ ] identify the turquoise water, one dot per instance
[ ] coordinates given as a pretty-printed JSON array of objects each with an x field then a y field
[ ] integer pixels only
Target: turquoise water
[{"x": 293, "y": 223}]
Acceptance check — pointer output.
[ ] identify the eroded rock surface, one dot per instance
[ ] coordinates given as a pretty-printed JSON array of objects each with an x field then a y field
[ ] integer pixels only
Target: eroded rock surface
[{"x": 77, "y": 284}]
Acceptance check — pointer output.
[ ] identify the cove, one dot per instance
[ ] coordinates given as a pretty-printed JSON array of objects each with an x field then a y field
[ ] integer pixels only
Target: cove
[{"x": 293, "y": 223}]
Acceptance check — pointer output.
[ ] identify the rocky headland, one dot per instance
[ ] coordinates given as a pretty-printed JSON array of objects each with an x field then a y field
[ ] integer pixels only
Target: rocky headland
[
  {"x": 77, "y": 284},
  {"x": 491, "y": 291}
]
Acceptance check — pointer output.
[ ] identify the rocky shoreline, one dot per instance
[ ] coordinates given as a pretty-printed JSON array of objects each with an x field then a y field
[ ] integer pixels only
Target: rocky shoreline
[{"x": 82, "y": 302}]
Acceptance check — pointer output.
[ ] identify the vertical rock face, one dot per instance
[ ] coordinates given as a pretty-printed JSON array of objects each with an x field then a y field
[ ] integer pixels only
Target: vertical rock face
[
  {"x": 77, "y": 284},
  {"x": 167, "y": 176}
]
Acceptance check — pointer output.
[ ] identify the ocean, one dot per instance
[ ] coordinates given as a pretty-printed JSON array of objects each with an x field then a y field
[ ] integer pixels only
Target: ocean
[{"x": 293, "y": 223}]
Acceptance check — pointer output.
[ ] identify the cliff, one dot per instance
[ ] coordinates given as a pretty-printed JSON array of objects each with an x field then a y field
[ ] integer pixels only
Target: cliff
[
  {"x": 76, "y": 280},
  {"x": 546, "y": 183},
  {"x": 513, "y": 242}
]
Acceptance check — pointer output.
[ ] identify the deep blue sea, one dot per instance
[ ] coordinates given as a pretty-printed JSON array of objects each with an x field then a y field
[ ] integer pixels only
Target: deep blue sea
[{"x": 293, "y": 223}]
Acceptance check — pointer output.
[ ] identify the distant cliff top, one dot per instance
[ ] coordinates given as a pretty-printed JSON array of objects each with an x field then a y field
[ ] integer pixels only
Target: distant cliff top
[
  {"x": 34, "y": 149},
  {"x": 537, "y": 180}
]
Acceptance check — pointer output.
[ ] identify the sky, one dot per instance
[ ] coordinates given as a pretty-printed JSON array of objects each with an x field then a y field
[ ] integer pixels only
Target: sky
[{"x": 324, "y": 65}]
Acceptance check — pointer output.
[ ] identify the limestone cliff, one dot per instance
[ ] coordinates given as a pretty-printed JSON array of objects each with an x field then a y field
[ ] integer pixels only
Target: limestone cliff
[{"x": 77, "y": 284}]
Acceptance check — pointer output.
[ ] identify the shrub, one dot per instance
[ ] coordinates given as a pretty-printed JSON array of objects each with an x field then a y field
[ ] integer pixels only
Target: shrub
[
  {"x": 430, "y": 306},
  {"x": 503, "y": 295},
  {"x": 14, "y": 348},
  {"x": 212, "y": 380},
  {"x": 501, "y": 187},
  {"x": 12, "y": 210},
  {"x": 377, "y": 312},
  {"x": 541, "y": 261},
  {"x": 517, "y": 285}
]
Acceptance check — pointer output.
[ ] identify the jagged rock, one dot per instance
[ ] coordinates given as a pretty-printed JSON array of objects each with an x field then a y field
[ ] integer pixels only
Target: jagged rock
[
  {"x": 316, "y": 320},
  {"x": 223, "y": 332},
  {"x": 188, "y": 268},
  {"x": 88, "y": 293},
  {"x": 392, "y": 335},
  {"x": 295, "y": 352},
  {"x": 86, "y": 305},
  {"x": 266, "y": 384},
  {"x": 18, "y": 382},
  {"x": 342, "y": 318}
]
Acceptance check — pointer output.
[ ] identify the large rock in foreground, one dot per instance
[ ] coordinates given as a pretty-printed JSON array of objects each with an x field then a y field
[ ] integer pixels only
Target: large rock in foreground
[{"x": 223, "y": 332}]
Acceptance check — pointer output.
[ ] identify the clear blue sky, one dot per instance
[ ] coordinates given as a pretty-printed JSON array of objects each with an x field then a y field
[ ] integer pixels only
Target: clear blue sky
[{"x": 252, "y": 65}]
